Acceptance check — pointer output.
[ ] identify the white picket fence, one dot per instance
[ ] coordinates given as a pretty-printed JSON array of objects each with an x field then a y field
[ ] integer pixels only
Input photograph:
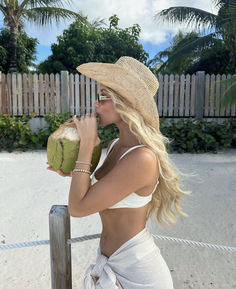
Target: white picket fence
[{"x": 195, "y": 95}]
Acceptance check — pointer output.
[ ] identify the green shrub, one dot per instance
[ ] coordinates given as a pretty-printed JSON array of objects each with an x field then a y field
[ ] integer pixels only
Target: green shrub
[
  {"x": 107, "y": 133},
  {"x": 186, "y": 135},
  {"x": 197, "y": 136},
  {"x": 15, "y": 133}
]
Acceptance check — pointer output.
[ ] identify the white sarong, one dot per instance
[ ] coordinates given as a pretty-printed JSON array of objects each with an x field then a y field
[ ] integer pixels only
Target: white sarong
[{"x": 138, "y": 263}]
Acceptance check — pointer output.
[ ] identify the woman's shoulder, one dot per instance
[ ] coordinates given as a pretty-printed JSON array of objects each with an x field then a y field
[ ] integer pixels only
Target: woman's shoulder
[
  {"x": 142, "y": 152},
  {"x": 143, "y": 155}
]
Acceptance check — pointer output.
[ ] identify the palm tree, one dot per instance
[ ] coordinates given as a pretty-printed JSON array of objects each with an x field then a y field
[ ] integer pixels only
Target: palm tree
[
  {"x": 40, "y": 12},
  {"x": 223, "y": 25},
  {"x": 179, "y": 64}
]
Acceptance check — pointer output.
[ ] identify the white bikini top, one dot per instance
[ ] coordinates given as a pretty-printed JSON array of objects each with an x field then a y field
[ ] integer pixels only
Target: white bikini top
[{"x": 133, "y": 200}]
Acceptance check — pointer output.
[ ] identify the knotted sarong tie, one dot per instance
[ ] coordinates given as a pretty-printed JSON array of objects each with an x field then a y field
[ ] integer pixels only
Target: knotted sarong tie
[
  {"x": 136, "y": 264},
  {"x": 103, "y": 271}
]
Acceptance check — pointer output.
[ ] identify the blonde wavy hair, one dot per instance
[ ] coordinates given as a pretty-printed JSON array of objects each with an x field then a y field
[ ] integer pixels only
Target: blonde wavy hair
[{"x": 168, "y": 191}]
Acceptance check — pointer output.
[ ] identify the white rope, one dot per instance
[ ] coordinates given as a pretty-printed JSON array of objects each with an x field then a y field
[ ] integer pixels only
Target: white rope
[
  {"x": 84, "y": 238},
  {"x": 23, "y": 244},
  {"x": 195, "y": 243},
  {"x": 95, "y": 236}
]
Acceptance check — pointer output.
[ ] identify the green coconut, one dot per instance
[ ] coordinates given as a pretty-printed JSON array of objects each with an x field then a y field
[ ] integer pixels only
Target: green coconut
[{"x": 63, "y": 148}]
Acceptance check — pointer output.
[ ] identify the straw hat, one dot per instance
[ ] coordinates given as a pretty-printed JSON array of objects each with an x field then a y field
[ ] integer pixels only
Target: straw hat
[{"x": 132, "y": 80}]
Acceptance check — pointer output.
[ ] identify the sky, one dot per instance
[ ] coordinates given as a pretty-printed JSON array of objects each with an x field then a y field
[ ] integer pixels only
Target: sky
[{"x": 155, "y": 35}]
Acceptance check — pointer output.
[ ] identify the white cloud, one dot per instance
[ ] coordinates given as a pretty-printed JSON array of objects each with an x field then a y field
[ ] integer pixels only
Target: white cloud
[{"x": 130, "y": 12}]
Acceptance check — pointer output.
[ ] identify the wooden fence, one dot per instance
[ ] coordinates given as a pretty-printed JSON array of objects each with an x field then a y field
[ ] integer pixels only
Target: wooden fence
[{"x": 195, "y": 95}]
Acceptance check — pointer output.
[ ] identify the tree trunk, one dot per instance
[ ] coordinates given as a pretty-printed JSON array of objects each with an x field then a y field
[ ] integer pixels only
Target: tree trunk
[{"x": 13, "y": 45}]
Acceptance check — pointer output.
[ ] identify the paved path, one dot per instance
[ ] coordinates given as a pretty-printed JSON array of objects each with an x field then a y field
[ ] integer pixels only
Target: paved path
[{"x": 28, "y": 190}]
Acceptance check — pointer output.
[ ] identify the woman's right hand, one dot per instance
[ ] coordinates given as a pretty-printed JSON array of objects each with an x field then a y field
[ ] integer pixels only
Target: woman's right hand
[{"x": 60, "y": 172}]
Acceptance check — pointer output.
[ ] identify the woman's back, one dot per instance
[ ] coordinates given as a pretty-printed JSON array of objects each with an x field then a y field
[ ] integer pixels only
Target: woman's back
[{"x": 121, "y": 224}]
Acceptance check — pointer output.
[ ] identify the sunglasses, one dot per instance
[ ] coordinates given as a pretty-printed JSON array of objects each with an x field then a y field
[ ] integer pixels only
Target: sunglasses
[{"x": 100, "y": 98}]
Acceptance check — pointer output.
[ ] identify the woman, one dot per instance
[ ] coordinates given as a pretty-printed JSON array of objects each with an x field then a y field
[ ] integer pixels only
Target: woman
[{"x": 136, "y": 180}]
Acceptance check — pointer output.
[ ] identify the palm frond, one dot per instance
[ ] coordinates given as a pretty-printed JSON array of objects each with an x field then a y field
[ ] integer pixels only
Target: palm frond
[
  {"x": 164, "y": 53},
  {"x": 156, "y": 59},
  {"x": 3, "y": 9},
  {"x": 228, "y": 15},
  {"x": 12, "y": 4},
  {"x": 4, "y": 4},
  {"x": 98, "y": 22},
  {"x": 228, "y": 97},
  {"x": 197, "y": 42},
  {"x": 188, "y": 15},
  {"x": 46, "y": 15},
  {"x": 45, "y": 3},
  {"x": 220, "y": 3},
  {"x": 217, "y": 3}
]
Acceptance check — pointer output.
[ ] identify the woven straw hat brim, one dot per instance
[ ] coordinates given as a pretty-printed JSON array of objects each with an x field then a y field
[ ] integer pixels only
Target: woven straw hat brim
[
  {"x": 126, "y": 84},
  {"x": 115, "y": 77}
]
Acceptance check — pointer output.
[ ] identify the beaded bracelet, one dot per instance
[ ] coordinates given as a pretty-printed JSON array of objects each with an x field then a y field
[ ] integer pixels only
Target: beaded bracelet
[
  {"x": 82, "y": 171},
  {"x": 86, "y": 163}
]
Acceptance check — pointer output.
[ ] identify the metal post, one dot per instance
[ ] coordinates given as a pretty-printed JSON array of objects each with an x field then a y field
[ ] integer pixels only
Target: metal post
[{"x": 60, "y": 251}]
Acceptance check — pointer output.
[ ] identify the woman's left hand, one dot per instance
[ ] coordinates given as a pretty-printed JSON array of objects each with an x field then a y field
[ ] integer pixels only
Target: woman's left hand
[
  {"x": 60, "y": 172},
  {"x": 87, "y": 129}
]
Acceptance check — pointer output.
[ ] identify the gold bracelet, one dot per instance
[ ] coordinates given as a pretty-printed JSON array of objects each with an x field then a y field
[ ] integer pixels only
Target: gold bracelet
[{"x": 82, "y": 171}]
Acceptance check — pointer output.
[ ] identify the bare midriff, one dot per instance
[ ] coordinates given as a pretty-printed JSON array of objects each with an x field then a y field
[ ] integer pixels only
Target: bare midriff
[{"x": 120, "y": 224}]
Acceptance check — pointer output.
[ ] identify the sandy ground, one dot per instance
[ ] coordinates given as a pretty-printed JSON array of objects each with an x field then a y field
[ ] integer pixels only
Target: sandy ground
[{"x": 28, "y": 190}]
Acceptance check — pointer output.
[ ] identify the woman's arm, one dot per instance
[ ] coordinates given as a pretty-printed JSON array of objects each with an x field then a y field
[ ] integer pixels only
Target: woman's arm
[
  {"x": 81, "y": 183},
  {"x": 133, "y": 172}
]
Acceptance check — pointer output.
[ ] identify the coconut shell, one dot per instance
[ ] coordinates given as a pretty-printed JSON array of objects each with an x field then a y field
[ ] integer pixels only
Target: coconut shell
[{"x": 63, "y": 148}]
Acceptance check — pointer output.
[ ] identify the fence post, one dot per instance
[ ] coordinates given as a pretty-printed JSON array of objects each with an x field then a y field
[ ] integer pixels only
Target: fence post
[
  {"x": 60, "y": 251},
  {"x": 64, "y": 91},
  {"x": 199, "y": 95}
]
